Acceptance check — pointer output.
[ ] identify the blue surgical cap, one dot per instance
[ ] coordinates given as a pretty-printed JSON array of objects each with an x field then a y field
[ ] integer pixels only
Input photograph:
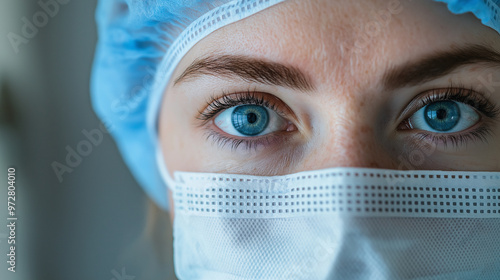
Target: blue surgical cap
[
  {"x": 485, "y": 10},
  {"x": 140, "y": 44}
]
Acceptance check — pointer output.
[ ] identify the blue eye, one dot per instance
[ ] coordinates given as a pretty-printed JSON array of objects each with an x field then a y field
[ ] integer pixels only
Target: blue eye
[
  {"x": 444, "y": 116},
  {"x": 249, "y": 120}
]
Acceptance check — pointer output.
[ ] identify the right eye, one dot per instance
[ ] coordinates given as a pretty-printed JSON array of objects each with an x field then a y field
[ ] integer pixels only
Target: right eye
[
  {"x": 249, "y": 120},
  {"x": 445, "y": 116}
]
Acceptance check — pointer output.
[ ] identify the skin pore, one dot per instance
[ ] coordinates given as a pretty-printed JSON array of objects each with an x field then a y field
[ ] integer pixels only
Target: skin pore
[{"x": 366, "y": 68}]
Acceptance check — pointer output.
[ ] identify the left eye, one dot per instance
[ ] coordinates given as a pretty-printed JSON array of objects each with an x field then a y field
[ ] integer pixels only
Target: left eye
[
  {"x": 444, "y": 116},
  {"x": 249, "y": 120}
]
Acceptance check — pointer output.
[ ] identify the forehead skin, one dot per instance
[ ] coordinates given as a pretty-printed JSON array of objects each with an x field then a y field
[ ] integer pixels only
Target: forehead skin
[{"x": 337, "y": 42}]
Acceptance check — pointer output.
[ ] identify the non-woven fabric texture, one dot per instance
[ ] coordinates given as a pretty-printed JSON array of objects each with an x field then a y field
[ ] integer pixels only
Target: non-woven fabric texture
[
  {"x": 140, "y": 44},
  {"x": 337, "y": 223}
]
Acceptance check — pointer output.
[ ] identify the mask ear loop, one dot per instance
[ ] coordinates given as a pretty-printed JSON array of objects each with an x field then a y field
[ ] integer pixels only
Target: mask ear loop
[{"x": 165, "y": 175}]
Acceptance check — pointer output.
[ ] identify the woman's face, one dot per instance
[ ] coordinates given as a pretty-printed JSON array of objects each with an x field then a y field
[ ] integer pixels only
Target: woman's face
[{"x": 307, "y": 85}]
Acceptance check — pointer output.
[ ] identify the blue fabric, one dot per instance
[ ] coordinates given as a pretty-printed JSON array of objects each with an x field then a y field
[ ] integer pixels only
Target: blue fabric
[
  {"x": 134, "y": 36},
  {"x": 485, "y": 10}
]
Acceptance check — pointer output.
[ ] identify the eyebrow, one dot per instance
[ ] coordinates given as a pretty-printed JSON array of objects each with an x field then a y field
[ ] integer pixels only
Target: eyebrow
[
  {"x": 272, "y": 73},
  {"x": 250, "y": 70},
  {"x": 437, "y": 65}
]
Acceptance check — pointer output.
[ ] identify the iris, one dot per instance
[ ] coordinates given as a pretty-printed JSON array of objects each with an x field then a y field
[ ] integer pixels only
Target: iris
[
  {"x": 442, "y": 115},
  {"x": 250, "y": 120}
]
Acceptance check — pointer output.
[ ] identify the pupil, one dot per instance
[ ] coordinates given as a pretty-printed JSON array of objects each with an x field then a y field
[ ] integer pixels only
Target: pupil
[
  {"x": 251, "y": 118},
  {"x": 441, "y": 114}
]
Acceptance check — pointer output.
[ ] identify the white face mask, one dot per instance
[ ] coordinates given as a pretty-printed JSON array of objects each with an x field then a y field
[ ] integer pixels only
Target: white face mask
[{"x": 337, "y": 223}]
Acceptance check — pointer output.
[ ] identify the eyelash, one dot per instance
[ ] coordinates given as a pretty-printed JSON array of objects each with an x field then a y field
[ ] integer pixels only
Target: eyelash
[
  {"x": 454, "y": 93},
  {"x": 461, "y": 94},
  {"x": 231, "y": 100},
  {"x": 250, "y": 97}
]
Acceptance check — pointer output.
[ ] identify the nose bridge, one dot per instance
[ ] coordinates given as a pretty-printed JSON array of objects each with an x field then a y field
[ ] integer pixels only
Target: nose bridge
[
  {"x": 351, "y": 143},
  {"x": 348, "y": 137}
]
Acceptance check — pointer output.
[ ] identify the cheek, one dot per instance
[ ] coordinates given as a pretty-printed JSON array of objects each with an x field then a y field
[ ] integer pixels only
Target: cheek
[{"x": 182, "y": 150}]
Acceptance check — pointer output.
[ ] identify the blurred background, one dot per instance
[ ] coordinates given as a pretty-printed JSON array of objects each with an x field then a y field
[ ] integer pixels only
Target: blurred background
[{"x": 85, "y": 221}]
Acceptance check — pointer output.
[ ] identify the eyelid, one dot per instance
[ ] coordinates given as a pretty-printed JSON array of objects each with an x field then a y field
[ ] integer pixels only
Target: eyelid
[
  {"x": 217, "y": 104},
  {"x": 222, "y": 139},
  {"x": 455, "y": 93},
  {"x": 487, "y": 110}
]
